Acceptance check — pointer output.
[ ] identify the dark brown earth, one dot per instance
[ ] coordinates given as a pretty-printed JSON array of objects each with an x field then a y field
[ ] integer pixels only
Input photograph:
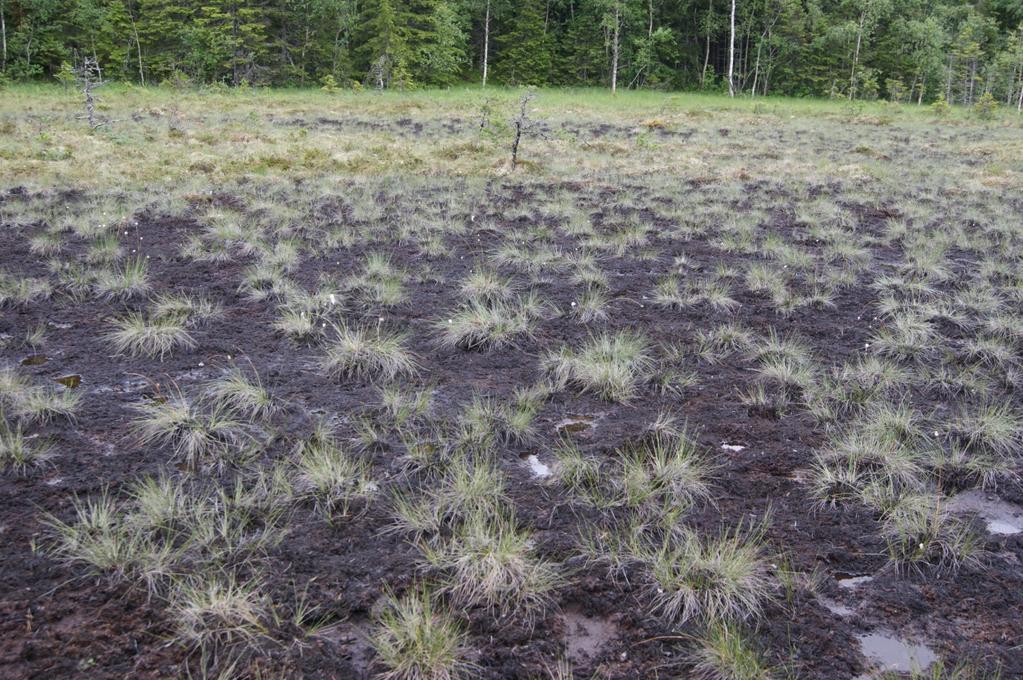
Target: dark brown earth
[{"x": 56, "y": 621}]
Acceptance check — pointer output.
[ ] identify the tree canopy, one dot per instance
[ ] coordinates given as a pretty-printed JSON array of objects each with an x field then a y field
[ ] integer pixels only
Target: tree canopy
[{"x": 909, "y": 50}]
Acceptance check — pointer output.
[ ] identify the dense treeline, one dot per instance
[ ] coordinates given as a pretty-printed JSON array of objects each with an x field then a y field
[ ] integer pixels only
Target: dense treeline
[{"x": 911, "y": 50}]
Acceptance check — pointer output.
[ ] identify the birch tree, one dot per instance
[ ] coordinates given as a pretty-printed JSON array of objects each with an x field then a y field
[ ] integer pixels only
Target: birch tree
[
  {"x": 612, "y": 23},
  {"x": 3, "y": 38},
  {"x": 486, "y": 41},
  {"x": 731, "y": 53},
  {"x": 871, "y": 11}
]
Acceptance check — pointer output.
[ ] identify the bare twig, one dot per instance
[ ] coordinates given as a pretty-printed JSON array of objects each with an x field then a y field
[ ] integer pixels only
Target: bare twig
[{"x": 523, "y": 124}]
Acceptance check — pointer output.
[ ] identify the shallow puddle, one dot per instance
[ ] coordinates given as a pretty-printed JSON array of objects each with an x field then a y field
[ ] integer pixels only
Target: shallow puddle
[
  {"x": 851, "y": 582},
  {"x": 35, "y": 360},
  {"x": 70, "y": 381},
  {"x": 837, "y": 607},
  {"x": 586, "y": 636},
  {"x": 1001, "y": 517},
  {"x": 574, "y": 424},
  {"x": 891, "y": 653}
]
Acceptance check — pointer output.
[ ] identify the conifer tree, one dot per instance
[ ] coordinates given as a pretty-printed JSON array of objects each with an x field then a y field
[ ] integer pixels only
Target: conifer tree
[{"x": 525, "y": 55}]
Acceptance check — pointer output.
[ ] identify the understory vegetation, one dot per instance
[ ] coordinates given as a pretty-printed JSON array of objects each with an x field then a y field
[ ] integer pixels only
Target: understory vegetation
[{"x": 329, "y": 387}]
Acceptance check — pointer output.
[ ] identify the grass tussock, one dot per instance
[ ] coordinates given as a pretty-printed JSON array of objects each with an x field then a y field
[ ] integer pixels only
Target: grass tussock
[
  {"x": 367, "y": 353},
  {"x": 613, "y": 366},
  {"x": 416, "y": 638}
]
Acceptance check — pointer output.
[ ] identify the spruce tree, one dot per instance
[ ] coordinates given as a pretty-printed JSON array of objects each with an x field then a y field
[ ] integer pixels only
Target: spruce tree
[
  {"x": 381, "y": 51},
  {"x": 524, "y": 56}
]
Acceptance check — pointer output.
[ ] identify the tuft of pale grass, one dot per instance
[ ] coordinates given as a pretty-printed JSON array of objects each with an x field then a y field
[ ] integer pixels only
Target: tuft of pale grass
[
  {"x": 922, "y": 534},
  {"x": 416, "y": 638},
  {"x": 154, "y": 337},
  {"x": 488, "y": 562},
  {"x": 368, "y": 353},
  {"x": 195, "y": 435},
  {"x": 237, "y": 392},
  {"x": 722, "y": 578},
  {"x": 19, "y": 452},
  {"x": 187, "y": 309},
  {"x": 215, "y": 611},
  {"x": 331, "y": 477},
  {"x": 130, "y": 280},
  {"x": 609, "y": 365},
  {"x": 494, "y": 324},
  {"x": 666, "y": 474},
  {"x": 725, "y": 652}
]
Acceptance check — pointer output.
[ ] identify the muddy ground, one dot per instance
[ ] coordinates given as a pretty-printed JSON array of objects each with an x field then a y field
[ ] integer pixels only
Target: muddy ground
[{"x": 58, "y": 621}]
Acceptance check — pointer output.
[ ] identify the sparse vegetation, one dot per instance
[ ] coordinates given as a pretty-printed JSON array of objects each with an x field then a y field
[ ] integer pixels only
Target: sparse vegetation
[{"x": 316, "y": 383}]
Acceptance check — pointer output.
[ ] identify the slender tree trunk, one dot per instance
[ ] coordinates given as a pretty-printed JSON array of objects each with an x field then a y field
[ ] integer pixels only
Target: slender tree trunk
[
  {"x": 234, "y": 39},
  {"x": 706, "y": 54},
  {"x": 615, "y": 47},
  {"x": 747, "y": 53},
  {"x": 731, "y": 53},
  {"x": 856, "y": 56},
  {"x": 948, "y": 81},
  {"x": 486, "y": 43},
  {"x": 3, "y": 38},
  {"x": 650, "y": 24},
  {"x": 920, "y": 92},
  {"x": 138, "y": 48},
  {"x": 756, "y": 68},
  {"x": 1019, "y": 104},
  {"x": 302, "y": 55},
  {"x": 973, "y": 79}
]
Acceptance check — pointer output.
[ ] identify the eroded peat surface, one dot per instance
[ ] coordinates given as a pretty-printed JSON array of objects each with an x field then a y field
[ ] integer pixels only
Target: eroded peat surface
[{"x": 311, "y": 386}]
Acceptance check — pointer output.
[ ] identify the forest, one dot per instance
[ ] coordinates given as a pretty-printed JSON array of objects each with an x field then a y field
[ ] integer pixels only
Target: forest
[{"x": 915, "y": 51}]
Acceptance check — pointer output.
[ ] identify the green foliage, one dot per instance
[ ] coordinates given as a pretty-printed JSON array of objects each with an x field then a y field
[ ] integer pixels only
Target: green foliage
[
  {"x": 985, "y": 107},
  {"x": 896, "y": 90},
  {"x": 866, "y": 49},
  {"x": 525, "y": 54},
  {"x": 329, "y": 83},
  {"x": 66, "y": 75},
  {"x": 940, "y": 107}
]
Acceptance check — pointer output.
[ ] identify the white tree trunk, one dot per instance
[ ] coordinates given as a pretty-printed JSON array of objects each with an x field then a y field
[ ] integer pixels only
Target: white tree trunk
[
  {"x": 614, "y": 47},
  {"x": 731, "y": 54},
  {"x": 486, "y": 43},
  {"x": 1019, "y": 104},
  {"x": 756, "y": 68},
  {"x": 3, "y": 38},
  {"x": 706, "y": 55},
  {"x": 856, "y": 57}
]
